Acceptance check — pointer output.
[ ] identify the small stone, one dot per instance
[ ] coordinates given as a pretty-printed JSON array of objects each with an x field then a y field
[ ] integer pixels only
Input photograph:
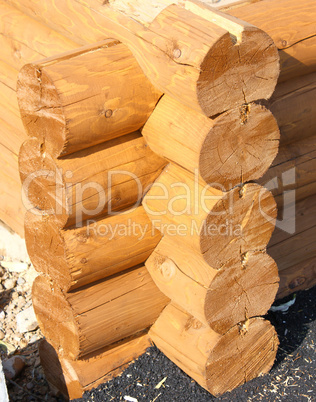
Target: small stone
[
  {"x": 29, "y": 385},
  {"x": 2, "y": 315},
  {"x": 26, "y": 321},
  {"x": 13, "y": 266},
  {"x": 43, "y": 390},
  {"x": 2, "y": 335},
  {"x": 13, "y": 367},
  {"x": 20, "y": 281},
  {"x": 14, "y": 295},
  {"x": 9, "y": 284}
]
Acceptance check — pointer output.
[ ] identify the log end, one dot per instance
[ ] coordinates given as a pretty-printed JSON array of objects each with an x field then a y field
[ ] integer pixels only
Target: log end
[
  {"x": 245, "y": 352},
  {"x": 242, "y": 220},
  {"x": 42, "y": 181},
  {"x": 237, "y": 71},
  {"x": 239, "y": 293},
  {"x": 55, "y": 317},
  {"x": 240, "y": 146},
  {"x": 41, "y": 108}
]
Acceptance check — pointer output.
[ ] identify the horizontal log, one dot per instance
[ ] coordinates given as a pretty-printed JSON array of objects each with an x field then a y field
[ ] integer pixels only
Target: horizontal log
[
  {"x": 101, "y": 179},
  {"x": 291, "y": 26},
  {"x": 84, "y": 97},
  {"x": 219, "y": 363},
  {"x": 297, "y": 277},
  {"x": 294, "y": 107},
  {"x": 296, "y": 44},
  {"x": 294, "y": 249},
  {"x": 219, "y": 225},
  {"x": 11, "y": 207},
  {"x": 235, "y": 147},
  {"x": 23, "y": 39},
  {"x": 77, "y": 256},
  {"x": 79, "y": 323},
  {"x": 178, "y": 67},
  {"x": 74, "y": 377},
  {"x": 220, "y": 299},
  {"x": 292, "y": 176}
]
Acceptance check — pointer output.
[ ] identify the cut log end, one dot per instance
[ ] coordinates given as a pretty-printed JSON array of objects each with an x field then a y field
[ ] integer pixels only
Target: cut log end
[
  {"x": 41, "y": 108},
  {"x": 240, "y": 293},
  {"x": 240, "y": 146},
  {"x": 55, "y": 317},
  {"x": 243, "y": 353},
  {"x": 244, "y": 70},
  {"x": 245, "y": 209}
]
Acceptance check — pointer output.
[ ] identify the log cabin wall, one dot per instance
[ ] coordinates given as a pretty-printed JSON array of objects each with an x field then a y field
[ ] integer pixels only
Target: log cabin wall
[{"x": 147, "y": 104}]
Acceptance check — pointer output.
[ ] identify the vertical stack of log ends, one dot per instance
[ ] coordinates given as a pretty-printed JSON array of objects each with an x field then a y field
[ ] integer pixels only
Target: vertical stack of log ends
[{"x": 144, "y": 218}]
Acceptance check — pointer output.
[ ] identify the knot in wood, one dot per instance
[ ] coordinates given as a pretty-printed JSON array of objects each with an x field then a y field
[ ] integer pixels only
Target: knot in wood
[
  {"x": 177, "y": 53},
  {"x": 108, "y": 113}
]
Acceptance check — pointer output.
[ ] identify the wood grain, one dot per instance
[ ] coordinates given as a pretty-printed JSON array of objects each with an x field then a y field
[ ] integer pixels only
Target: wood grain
[
  {"x": 93, "y": 317},
  {"x": 212, "y": 360},
  {"x": 77, "y": 256}
]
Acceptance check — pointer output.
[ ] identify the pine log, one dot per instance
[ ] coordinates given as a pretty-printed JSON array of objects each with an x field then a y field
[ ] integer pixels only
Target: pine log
[
  {"x": 81, "y": 322},
  {"x": 105, "y": 178},
  {"x": 218, "y": 298},
  {"x": 235, "y": 147},
  {"x": 301, "y": 276},
  {"x": 219, "y": 363},
  {"x": 23, "y": 39},
  {"x": 84, "y": 97},
  {"x": 293, "y": 176},
  {"x": 289, "y": 23},
  {"x": 73, "y": 377},
  {"x": 294, "y": 107},
  {"x": 177, "y": 66},
  {"x": 295, "y": 249},
  {"x": 220, "y": 225},
  {"x": 77, "y": 256}
]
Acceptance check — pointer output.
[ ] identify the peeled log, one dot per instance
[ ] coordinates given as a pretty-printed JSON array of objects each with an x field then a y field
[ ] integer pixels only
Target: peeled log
[
  {"x": 84, "y": 97},
  {"x": 294, "y": 107},
  {"x": 77, "y": 256},
  {"x": 218, "y": 298},
  {"x": 220, "y": 225},
  {"x": 177, "y": 50},
  {"x": 105, "y": 178},
  {"x": 79, "y": 323},
  {"x": 301, "y": 276},
  {"x": 73, "y": 377},
  {"x": 235, "y": 147},
  {"x": 219, "y": 363}
]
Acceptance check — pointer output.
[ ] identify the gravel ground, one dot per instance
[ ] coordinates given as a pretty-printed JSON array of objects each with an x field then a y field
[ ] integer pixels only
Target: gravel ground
[{"x": 291, "y": 378}]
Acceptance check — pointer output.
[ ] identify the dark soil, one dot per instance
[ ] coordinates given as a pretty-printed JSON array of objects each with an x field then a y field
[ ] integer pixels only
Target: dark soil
[{"x": 292, "y": 377}]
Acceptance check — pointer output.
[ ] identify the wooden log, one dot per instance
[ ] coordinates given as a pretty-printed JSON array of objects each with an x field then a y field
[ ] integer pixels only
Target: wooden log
[
  {"x": 294, "y": 107},
  {"x": 292, "y": 28},
  {"x": 73, "y": 377},
  {"x": 84, "y": 97},
  {"x": 218, "y": 298},
  {"x": 23, "y": 39},
  {"x": 296, "y": 44},
  {"x": 301, "y": 276},
  {"x": 168, "y": 61},
  {"x": 295, "y": 249},
  {"x": 219, "y": 363},
  {"x": 77, "y": 256},
  {"x": 219, "y": 225},
  {"x": 235, "y": 147},
  {"x": 81, "y": 322},
  {"x": 101, "y": 179},
  {"x": 293, "y": 170}
]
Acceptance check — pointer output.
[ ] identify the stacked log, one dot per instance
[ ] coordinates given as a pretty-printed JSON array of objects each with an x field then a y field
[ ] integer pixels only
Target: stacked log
[
  {"x": 23, "y": 40},
  {"x": 144, "y": 131},
  {"x": 84, "y": 176}
]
